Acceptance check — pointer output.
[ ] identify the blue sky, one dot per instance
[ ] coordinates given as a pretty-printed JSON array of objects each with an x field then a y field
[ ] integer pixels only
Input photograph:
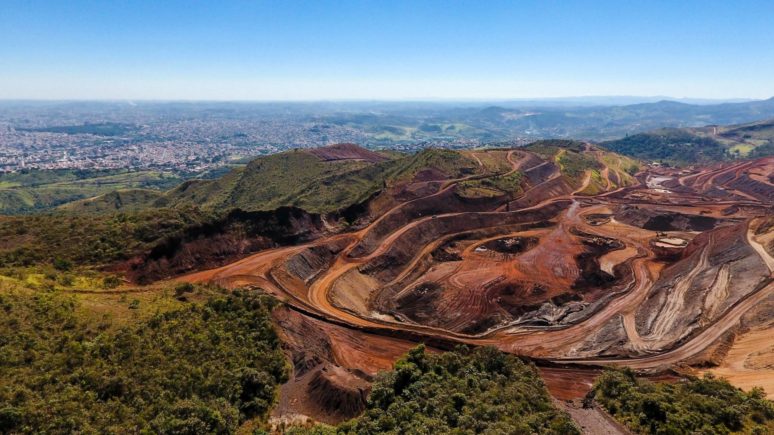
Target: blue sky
[{"x": 310, "y": 50}]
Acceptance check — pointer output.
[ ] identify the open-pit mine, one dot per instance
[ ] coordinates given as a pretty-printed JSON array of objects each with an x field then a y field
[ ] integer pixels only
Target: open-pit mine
[{"x": 664, "y": 270}]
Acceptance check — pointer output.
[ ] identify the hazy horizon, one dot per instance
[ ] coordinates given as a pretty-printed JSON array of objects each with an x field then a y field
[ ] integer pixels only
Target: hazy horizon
[{"x": 586, "y": 100}]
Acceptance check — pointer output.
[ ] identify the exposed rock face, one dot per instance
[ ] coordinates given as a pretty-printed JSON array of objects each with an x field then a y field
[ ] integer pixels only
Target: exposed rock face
[
  {"x": 443, "y": 202},
  {"x": 717, "y": 269},
  {"x": 310, "y": 262},
  {"x": 609, "y": 340},
  {"x": 235, "y": 235}
]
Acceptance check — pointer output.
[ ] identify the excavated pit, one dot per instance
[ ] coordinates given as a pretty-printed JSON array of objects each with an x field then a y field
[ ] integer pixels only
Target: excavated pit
[
  {"x": 597, "y": 219},
  {"x": 664, "y": 221},
  {"x": 420, "y": 302},
  {"x": 511, "y": 245},
  {"x": 591, "y": 274}
]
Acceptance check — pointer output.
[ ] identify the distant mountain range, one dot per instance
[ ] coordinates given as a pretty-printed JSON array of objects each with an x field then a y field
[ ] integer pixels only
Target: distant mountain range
[{"x": 565, "y": 118}]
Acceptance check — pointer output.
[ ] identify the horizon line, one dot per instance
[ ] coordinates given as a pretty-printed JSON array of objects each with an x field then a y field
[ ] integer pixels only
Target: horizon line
[{"x": 384, "y": 100}]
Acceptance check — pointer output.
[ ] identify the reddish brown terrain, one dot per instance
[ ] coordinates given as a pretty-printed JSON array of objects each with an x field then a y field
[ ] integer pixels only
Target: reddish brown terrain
[
  {"x": 671, "y": 272},
  {"x": 347, "y": 151}
]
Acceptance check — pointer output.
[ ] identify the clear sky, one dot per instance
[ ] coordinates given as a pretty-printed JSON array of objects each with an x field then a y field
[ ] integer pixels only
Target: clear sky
[{"x": 391, "y": 49}]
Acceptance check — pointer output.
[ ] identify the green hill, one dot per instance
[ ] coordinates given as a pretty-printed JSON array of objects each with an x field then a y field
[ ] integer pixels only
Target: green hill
[
  {"x": 35, "y": 191},
  {"x": 115, "y": 226},
  {"x": 304, "y": 179},
  {"x": 117, "y": 200},
  {"x": 699, "y": 145}
]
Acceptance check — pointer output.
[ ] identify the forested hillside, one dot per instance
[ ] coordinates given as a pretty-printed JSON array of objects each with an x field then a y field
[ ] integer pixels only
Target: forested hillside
[
  {"x": 465, "y": 391},
  {"x": 698, "y": 405},
  {"x": 203, "y": 366}
]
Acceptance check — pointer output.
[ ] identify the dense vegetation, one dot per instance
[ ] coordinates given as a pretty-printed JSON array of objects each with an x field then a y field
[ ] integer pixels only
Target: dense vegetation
[
  {"x": 763, "y": 150},
  {"x": 194, "y": 368},
  {"x": 670, "y": 145},
  {"x": 89, "y": 239},
  {"x": 702, "y": 406},
  {"x": 461, "y": 392}
]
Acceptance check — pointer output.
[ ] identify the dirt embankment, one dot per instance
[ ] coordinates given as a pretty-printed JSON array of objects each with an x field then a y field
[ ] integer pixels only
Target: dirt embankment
[
  {"x": 224, "y": 240},
  {"x": 338, "y": 391},
  {"x": 307, "y": 264},
  {"x": 332, "y": 367}
]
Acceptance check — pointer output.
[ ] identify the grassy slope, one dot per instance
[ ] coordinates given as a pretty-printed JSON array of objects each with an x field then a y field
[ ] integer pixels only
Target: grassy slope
[
  {"x": 510, "y": 184},
  {"x": 452, "y": 164},
  {"x": 300, "y": 179},
  {"x": 117, "y": 200},
  {"x": 750, "y": 140},
  {"x": 88, "y": 237},
  {"x": 575, "y": 162},
  {"x": 43, "y": 190},
  {"x": 295, "y": 178}
]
